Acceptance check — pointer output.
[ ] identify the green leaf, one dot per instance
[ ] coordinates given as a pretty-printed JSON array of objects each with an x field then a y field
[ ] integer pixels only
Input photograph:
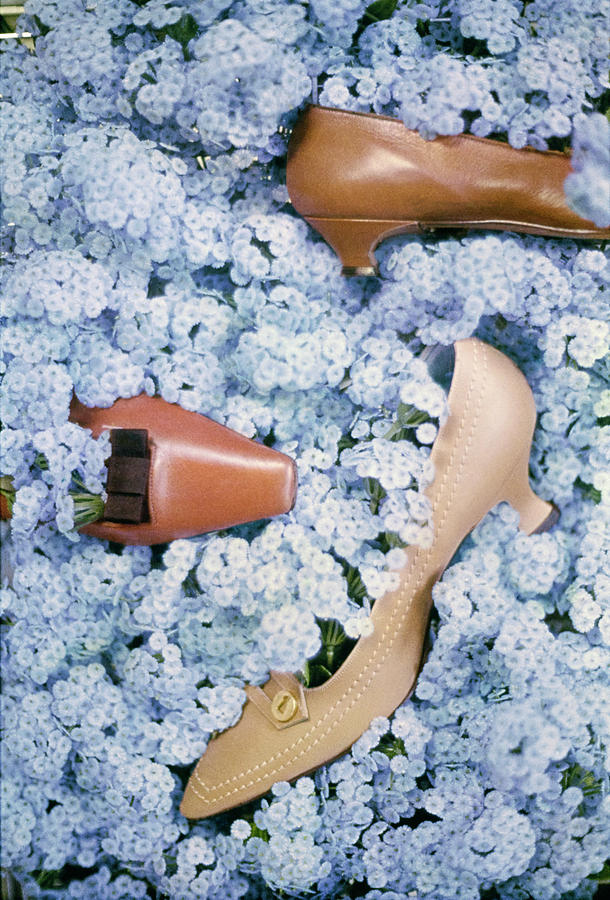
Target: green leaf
[
  {"x": 346, "y": 442},
  {"x": 11, "y": 888},
  {"x": 410, "y": 416},
  {"x": 40, "y": 25},
  {"x": 333, "y": 636},
  {"x": 41, "y": 461},
  {"x": 395, "y": 432},
  {"x": 259, "y": 833},
  {"x": 355, "y": 586},
  {"x": 392, "y": 746},
  {"x": 190, "y": 584},
  {"x": 407, "y": 416},
  {"x": 588, "y": 490},
  {"x": 184, "y": 30},
  {"x": 335, "y": 649},
  {"x": 49, "y": 878},
  {"x": 315, "y": 674},
  {"x": 380, "y": 9},
  {"x": 390, "y": 540},
  {"x": 577, "y": 776}
]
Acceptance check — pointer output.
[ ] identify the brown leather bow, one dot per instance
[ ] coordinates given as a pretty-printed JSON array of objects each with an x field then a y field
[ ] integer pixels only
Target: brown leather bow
[{"x": 128, "y": 471}]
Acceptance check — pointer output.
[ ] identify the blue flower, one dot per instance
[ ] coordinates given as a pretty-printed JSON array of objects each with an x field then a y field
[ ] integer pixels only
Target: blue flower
[{"x": 149, "y": 246}]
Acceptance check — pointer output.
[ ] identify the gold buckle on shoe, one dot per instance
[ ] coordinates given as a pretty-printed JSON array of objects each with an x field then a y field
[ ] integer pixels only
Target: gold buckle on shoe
[
  {"x": 286, "y": 706},
  {"x": 283, "y": 706}
]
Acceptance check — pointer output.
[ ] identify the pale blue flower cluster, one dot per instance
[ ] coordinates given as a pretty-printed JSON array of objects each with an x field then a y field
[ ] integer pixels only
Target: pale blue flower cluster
[
  {"x": 588, "y": 187},
  {"x": 149, "y": 246},
  {"x": 542, "y": 63},
  {"x": 287, "y": 854}
]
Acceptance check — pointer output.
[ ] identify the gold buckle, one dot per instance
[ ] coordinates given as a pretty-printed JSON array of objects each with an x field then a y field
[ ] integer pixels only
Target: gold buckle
[
  {"x": 287, "y": 706},
  {"x": 283, "y": 706}
]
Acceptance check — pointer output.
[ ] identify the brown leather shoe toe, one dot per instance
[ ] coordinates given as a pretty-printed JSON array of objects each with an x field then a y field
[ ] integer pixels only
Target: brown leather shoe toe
[{"x": 175, "y": 474}]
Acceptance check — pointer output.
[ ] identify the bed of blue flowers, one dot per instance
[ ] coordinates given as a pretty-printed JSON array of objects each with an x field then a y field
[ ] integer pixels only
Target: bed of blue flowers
[{"x": 149, "y": 245}]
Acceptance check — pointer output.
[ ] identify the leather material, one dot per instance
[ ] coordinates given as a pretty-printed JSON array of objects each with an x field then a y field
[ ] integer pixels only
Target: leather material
[
  {"x": 128, "y": 473},
  {"x": 203, "y": 476},
  {"x": 481, "y": 457},
  {"x": 356, "y": 166}
]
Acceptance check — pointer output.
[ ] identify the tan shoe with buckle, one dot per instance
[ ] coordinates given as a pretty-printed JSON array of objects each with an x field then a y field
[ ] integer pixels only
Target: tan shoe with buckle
[
  {"x": 481, "y": 457},
  {"x": 359, "y": 178}
]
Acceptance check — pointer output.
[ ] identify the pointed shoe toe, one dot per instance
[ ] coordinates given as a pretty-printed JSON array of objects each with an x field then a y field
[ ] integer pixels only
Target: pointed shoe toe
[
  {"x": 175, "y": 473},
  {"x": 481, "y": 458},
  {"x": 359, "y": 179},
  {"x": 244, "y": 761}
]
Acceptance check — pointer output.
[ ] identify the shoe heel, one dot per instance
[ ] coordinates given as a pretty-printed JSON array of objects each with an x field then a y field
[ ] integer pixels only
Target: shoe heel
[
  {"x": 535, "y": 515},
  {"x": 354, "y": 240}
]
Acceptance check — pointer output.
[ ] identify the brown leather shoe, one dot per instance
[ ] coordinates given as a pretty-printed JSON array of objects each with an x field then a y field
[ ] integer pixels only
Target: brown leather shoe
[
  {"x": 174, "y": 473},
  {"x": 481, "y": 457},
  {"x": 360, "y": 178}
]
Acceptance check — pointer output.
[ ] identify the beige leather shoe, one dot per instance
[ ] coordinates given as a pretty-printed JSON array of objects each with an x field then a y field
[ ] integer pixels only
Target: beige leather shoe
[
  {"x": 481, "y": 457},
  {"x": 174, "y": 473},
  {"x": 360, "y": 178}
]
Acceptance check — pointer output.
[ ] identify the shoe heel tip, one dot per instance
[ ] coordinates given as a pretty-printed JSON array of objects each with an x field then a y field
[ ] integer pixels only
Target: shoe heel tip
[
  {"x": 359, "y": 271},
  {"x": 549, "y": 522}
]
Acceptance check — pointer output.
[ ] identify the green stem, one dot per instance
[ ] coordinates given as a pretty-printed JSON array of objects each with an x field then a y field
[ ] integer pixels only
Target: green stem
[{"x": 88, "y": 507}]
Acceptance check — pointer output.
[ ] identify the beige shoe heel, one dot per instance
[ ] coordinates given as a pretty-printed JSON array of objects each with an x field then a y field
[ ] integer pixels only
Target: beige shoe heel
[
  {"x": 535, "y": 515},
  {"x": 354, "y": 240}
]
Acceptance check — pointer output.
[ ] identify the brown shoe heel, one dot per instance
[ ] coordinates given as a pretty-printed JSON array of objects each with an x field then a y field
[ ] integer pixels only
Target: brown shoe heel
[{"x": 354, "y": 240}]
